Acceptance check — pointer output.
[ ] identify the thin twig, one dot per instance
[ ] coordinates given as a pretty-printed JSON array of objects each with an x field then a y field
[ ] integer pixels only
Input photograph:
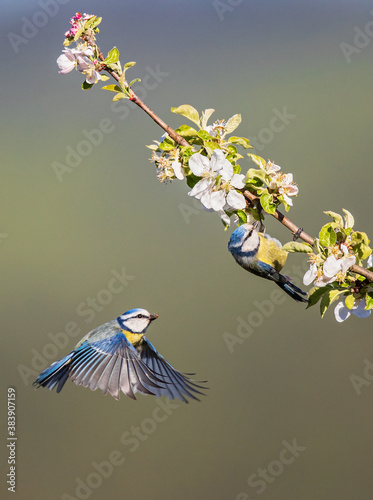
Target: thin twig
[{"x": 136, "y": 99}]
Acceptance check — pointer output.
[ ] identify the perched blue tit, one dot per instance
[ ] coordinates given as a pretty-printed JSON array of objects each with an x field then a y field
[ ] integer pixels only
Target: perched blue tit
[
  {"x": 116, "y": 357},
  {"x": 262, "y": 255}
]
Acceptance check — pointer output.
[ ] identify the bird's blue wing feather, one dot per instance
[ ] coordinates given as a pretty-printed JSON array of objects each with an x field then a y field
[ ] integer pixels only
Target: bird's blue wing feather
[
  {"x": 266, "y": 268},
  {"x": 112, "y": 364},
  {"x": 55, "y": 375},
  {"x": 176, "y": 384}
]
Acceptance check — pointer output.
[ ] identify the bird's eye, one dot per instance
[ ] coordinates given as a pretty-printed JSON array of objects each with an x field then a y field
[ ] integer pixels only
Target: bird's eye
[{"x": 139, "y": 316}]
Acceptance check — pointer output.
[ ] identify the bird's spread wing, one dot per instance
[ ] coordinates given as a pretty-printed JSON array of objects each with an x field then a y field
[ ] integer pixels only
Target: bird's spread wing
[
  {"x": 176, "y": 385},
  {"x": 112, "y": 365}
]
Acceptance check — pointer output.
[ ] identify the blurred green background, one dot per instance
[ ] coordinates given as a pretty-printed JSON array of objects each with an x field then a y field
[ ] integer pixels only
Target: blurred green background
[{"x": 290, "y": 380}]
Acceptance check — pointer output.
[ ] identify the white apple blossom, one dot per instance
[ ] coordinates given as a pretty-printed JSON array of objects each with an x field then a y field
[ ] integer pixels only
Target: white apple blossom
[
  {"x": 341, "y": 312},
  {"x": 216, "y": 195},
  {"x": 88, "y": 68},
  {"x": 69, "y": 59},
  {"x": 370, "y": 260},
  {"x": 331, "y": 269},
  {"x": 208, "y": 170},
  {"x": 271, "y": 168},
  {"x": 286, "y": 187},
  {"x": 230, "y": 181}
]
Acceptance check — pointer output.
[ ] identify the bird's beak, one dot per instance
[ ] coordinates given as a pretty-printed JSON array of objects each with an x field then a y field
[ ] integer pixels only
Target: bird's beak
[{"x": 153, "y": 317}]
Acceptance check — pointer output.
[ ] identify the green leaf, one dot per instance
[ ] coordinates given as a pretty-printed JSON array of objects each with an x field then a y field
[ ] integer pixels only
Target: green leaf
[
  {"x": 92, "y": 22},
  {"x": 233, "y": 123},
  {"x": 258, "y": 160},
  {"x": 254, "y": 173},
  {"x": 241, "y": 141},
  {"x": 338, "y": 219},
  {"x": 315, "y": 294},
  {"x": 119, "y": 96},
  {"x": 364, "y": 251},
  {"x": 77, "y": 34},
  {"x": 205, "y": 117},
  {"x": 255, "y": 182},
  {"x": 350, "y": 301},
  {"x": 328, "y": 298},
  {"x": 369, "y": 300},
  {"x": 266, "y": 200},
  {"x": 86, "y": 85},
  {"x": 242, "y": 216},
  {"x": 112, "y": 57},
  {"x": 104, "y": 78},
  {"x": 168, "y": 144},
  {"x": 360, "y": 243},
  {"x": 210, "y": 146},
  {"x": 236, "y": 169},
  {"x": 350, "y": 221},
  {"x": 359, "y": 237},
  {"x": 295, "y": 246},
  {"x": 129, "y": 65},
  {"x": 233, "y": 153},
  {"x": 327, "y": 235},
  {"x": 186, "y": 132},
  {"x": 134, "y": 81},
  {"x": 192, "y": 180},
  {"x": 205, "y": 136},
  {"x": 187, "y": 111},
  {"x": 112, "y": 88}
]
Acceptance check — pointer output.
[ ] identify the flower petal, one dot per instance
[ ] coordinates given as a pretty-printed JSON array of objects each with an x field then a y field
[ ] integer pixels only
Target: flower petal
[
  {"x": 310, "y": 275},
  {"x": 217, "y": 160},
  {"x": 226, "y": 170},
  {"x": 370, "y": 260},
  {"x": 178, "y": 171},
  {"x": 199, "y": 164},
  {"x": 236, "y": 200},
  {"x": 66, "y": 62},
  {"x": 331, "y": 266},
  {"x": 206, "y": 200},
  {"x": 359, "y": 309},
  {"x": 288, "y": 200},
  {"x": 237, "y": 181},
  {"x": 347, "y": 262},
  {"x": 224, "y": 217},
  {"x": 323, "y": 280},
  {"x": 341, "y": 313},
  {"x": 217, "y": 200},
  {"x": 199, "y": 189},
  {"x": 92, "y": 77}
]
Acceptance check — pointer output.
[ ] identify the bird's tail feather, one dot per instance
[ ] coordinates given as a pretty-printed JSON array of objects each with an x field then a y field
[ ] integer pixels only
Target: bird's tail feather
[
  {"x": 292, "y": 290},
  {"x": 55, "y": 375}
]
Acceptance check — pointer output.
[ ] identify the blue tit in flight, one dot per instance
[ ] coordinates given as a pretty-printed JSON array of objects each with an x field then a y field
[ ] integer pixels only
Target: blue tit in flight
[
  {"x": 262, "y": 255},
  {"x": 116, "y": 357}
]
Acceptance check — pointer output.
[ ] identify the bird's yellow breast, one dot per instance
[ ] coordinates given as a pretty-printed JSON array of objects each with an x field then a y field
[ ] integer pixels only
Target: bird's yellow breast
[
  {"x": 270, "y": 253},
  {"x": 134, "y": 338}
]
